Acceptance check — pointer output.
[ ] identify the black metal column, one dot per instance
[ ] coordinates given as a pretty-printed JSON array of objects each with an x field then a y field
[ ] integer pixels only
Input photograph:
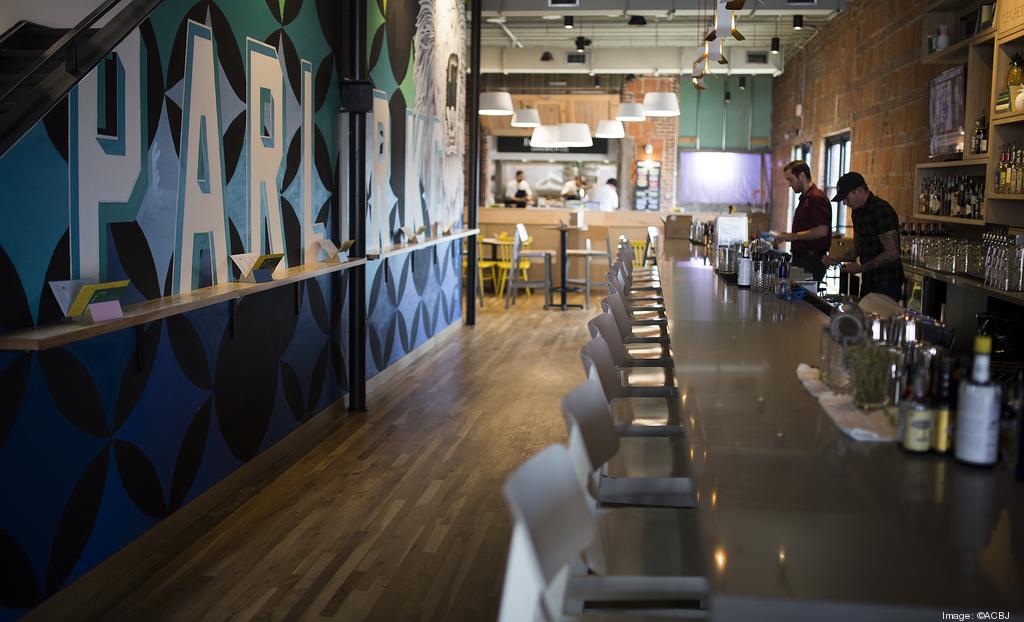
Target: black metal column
[
  {"x": 357, "y": 215},
  {"x": 473, "y": 161}
]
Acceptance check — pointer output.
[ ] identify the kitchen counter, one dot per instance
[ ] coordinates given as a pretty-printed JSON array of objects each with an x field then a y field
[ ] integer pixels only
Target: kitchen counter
[{"x": 798, "y": 521}]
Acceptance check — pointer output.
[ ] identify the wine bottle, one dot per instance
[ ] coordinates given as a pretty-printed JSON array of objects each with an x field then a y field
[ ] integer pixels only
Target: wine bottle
[{"x": 977, "y": 422}]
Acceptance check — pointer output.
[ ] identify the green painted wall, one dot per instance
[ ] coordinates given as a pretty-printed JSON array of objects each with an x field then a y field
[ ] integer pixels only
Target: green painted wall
[{"x": 746, "y": 121}]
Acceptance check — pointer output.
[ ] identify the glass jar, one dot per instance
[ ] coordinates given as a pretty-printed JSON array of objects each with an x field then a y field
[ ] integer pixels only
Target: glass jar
[
  {"x": 838, "y": 369},
  {"x": 870, "y": 364}
]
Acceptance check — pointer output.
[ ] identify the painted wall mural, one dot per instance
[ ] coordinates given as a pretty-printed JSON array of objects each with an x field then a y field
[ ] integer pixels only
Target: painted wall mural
[
  {"x": 209, "y": 131},
  {"x": 416, "y": 156}
]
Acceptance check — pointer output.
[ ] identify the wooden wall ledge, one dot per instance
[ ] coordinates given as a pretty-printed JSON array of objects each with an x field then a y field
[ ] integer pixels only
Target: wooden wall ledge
[
  {"x": 398, "y": 249},
  {"x": 56, "y": 335}
]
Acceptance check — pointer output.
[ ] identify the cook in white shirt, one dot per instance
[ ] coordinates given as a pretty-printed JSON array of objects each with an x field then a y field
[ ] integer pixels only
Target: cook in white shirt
[
  {"x": 607, "y": 195},
  {"x": 573, "y": 189},
  {"x": 517, "y": 186}
]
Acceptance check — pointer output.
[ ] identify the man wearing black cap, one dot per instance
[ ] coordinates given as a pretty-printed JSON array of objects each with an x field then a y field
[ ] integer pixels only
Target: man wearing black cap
[{"x": 876, "y": 239}]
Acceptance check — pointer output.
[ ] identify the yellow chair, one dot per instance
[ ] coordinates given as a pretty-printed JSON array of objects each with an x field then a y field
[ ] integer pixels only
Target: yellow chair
[
  {"x": 504, "y": 263},
  {"x": 485, "y": 271},
  {"x": 639, "y": 254}
]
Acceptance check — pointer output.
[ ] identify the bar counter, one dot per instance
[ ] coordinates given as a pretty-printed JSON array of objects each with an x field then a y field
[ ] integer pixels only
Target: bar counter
[{"x": 798, "y": 521}]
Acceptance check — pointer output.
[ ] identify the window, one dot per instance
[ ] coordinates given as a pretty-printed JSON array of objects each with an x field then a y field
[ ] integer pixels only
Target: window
[
  {"x": 800, "y": 152},
  {"x": 837, "y": 164}
]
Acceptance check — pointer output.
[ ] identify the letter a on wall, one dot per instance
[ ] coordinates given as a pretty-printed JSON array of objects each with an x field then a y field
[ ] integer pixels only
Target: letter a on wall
[
  {"x": 201, "y": 224},
  {"x": 265, "y": 138}
]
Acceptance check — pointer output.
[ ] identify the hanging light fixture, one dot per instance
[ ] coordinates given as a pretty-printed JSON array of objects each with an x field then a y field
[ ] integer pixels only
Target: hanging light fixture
[
  {"x": 728, "y": 97},
  {"x": 630, "y": 112},
  {"x": 574, "y": 135},
  {"x": 611, "y": 128},
  {"x": 776, "y": 44},
  {"x": 544, "y": 137},
  {"x": 661, "y": 104},
  {"x": 526, "y": 117},
  {"x": 637, "y": 20},
  {"x": 743, "y": 83},
  {"x": 798, "y": 22},
  {"x": 581, "y": 44},
  {"x": 496, "y": 104},
  {"x": 567, "y": 23}
]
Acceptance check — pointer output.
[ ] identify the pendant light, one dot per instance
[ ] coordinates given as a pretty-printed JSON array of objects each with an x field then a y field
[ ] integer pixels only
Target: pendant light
[
  {"x": 661, "y": 104},
  {"x": 567, "y": 22},
  {"x": 798, "y": 22},
  {"x": 630, "y": 112},
  {"x": 526, "y": 117},
  {"x": 775, "y": 45},
  {"x": 574, "y": 135},
  {"x": 496, "y": 104},
  {"x": 611, "y": 128},
  {"x": 544, "y": 137}
]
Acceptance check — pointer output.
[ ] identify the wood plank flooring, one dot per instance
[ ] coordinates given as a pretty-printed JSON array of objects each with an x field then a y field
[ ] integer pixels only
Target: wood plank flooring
[{"x": 399, "y": 514}]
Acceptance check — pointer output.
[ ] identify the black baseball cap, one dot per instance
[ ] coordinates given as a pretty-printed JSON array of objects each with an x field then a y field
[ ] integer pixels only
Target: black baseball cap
[{"x": 847, "y": 184}]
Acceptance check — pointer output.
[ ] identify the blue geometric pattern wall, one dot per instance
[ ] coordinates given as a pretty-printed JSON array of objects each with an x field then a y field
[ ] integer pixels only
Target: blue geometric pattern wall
[
  {"x": 415, "y": 170},
  {"x": 102, "y": 439}
]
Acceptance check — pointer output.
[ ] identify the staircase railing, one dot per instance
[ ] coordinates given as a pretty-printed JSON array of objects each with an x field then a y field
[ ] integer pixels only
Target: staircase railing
[{"x": 81, "y": 54}]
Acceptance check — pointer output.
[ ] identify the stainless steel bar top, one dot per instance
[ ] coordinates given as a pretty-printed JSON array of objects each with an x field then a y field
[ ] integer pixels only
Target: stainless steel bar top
[{"x": 798, "y": 521}]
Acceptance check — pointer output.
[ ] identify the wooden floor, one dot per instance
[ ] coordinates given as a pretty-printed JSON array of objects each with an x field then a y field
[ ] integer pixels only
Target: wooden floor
[{"x": 398, "y": 515}]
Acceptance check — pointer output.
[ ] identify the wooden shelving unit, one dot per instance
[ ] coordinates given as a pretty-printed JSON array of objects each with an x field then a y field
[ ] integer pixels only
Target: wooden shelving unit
[
  {"x": 969, "y": 162},
  {"x": 56, "y": 335},
  {"x": 958, "y": 52}
]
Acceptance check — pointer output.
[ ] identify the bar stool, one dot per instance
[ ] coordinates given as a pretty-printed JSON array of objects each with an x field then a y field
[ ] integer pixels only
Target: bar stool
[
  {"x": 594, "y": 441},
  {"x": 631, "y": 364},
  {"x": 633, "y": 330},
  {"x": 589, "y": 254},
  {"x": 558, "y": 566}
]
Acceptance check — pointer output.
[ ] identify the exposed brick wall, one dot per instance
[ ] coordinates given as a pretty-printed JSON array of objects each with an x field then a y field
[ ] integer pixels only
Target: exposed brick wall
[
  {"x": 662, "y": 133},
  {"x": 862, "y": 72}
]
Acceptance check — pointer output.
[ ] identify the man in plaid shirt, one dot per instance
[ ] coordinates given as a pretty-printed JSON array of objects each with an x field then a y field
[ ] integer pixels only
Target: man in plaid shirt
[{"x": 876, "y": 239}]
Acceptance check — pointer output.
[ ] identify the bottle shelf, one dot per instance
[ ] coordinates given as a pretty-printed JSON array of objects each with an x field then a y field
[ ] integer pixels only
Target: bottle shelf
[
  {"x": 1004, "y": 197},
  {"x": 968, "y": 161},
  {"x": 951, "y": 219}
]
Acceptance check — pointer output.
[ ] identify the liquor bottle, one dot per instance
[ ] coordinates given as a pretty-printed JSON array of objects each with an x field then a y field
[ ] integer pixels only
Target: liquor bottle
[
  {"x": 976, "y": 137},
  {"x": 977, "y": 422},
  {"x": 744, "y": 267},
  {"x": 942, "y": 438},
  {"x": 917, "y": 417},
  {"x": 983, "y": 140},
  {"x": 1001, "y": 171}
]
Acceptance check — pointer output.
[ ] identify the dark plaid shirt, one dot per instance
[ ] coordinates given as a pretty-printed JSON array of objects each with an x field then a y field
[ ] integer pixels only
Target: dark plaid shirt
[{"x": 870, "y": 221}]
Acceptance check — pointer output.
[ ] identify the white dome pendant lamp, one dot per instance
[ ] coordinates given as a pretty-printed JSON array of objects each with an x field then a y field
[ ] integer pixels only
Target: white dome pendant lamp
[
  {"x": 496, "y": 104},
  {"x": 610, "y": 129},
  {"x": 661, "y": 104},
  {"x": 574, "y": 135},
  {"x": 526, "y": 117},
  {"x": 630, "y": 113}
]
